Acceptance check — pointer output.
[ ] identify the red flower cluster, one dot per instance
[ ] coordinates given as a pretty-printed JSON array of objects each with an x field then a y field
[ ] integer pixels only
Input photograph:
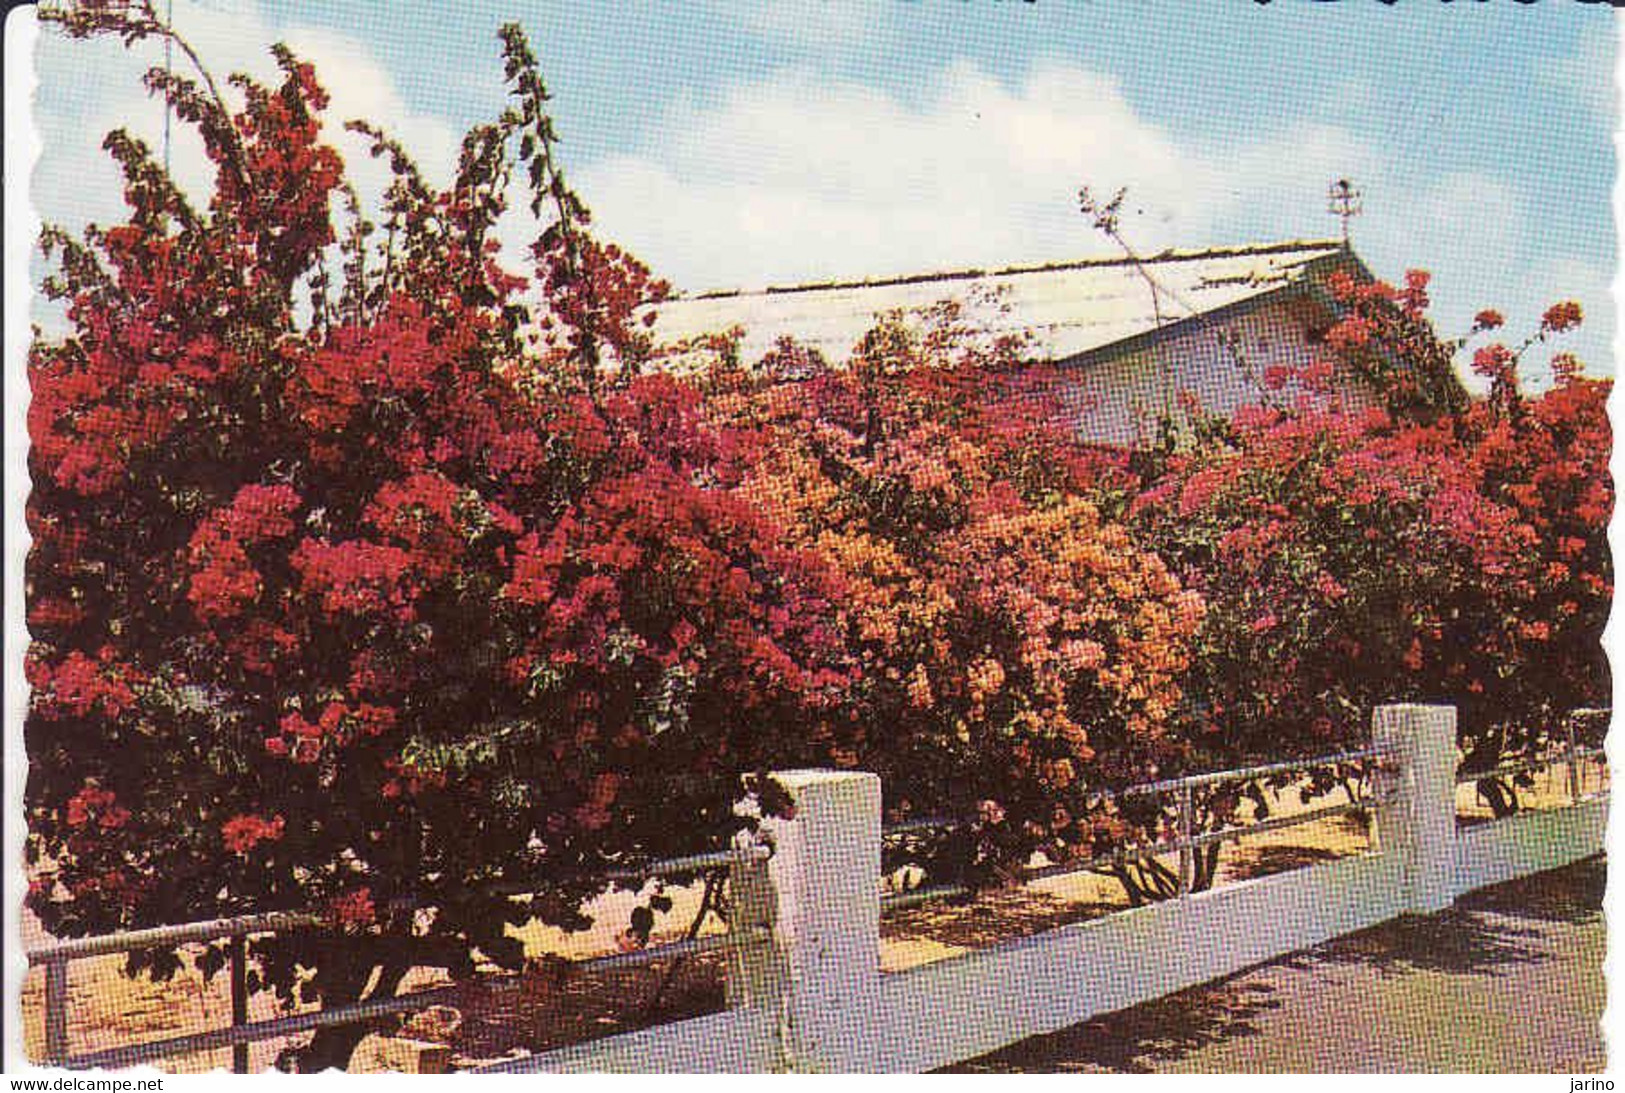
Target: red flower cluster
[
  {"x": 224, "y": 580},
  {"x": 1561, "y": 317},
  {"x": 353, "y": 910},
  {"x": 95, "y": 803},
  {"x": 242, "y": 833},
  {"x": 357, "y": 577},
  {"x": 80, "y": 686},
  {"x": 339, "y": 725}
]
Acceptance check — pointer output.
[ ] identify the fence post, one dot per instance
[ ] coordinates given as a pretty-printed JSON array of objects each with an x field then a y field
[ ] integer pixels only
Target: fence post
[
  {"x": 819, "y": 893},
  {"x": 756, "y": 974},
  {"x": 239, "y": 999},
  {"x": 1418, "y": 821},
  {"x": 56, "y": 1011},
  {"x": 1574, "y": 766},
  {"x": 1187, "y": 831}
]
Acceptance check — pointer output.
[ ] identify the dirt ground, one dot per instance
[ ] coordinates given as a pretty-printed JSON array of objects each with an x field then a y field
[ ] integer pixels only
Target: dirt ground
[{"x": 509, "y": 1016}]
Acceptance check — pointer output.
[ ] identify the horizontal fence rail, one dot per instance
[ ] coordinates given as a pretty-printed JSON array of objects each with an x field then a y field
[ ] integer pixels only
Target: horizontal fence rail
[
  {"x": 1187, "y": 841},
  {"x": 924, "y": 824},
  {"x": 1526, "y": 766},
  {"x": 1572, "y": 753},
  {"x": 270, "y": 922},
  {"x": 665, "y": 867},
  {"x": 804, "y": 976},
  {"x": 1241, "y": 774},
  {"x": 208, "y": 930},
  {"x": 56, "y": 957},
  {"x": 134, "y": 1054},
  {"x": 825, "y": 1000}
]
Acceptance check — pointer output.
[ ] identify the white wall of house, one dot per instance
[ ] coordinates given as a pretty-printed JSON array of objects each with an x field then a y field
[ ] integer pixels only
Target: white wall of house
[{"x": 1222, "y": 362}]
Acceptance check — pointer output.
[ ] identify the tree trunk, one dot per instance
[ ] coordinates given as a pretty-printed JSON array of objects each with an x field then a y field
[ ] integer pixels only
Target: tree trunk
[
  {"x": 333, "y": 1045},
  {"x": 1502, "y": 797}
]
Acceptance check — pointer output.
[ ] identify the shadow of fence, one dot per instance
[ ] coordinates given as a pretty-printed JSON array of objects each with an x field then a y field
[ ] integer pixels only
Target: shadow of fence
[{"x": 1486, "y": 933}]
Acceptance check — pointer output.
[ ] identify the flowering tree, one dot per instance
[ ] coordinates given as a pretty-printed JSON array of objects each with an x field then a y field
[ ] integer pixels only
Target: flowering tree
[
  {"x": 1545, "y": 459},
  {"x": 371, "y": 575},
  {"x": 1017, "y": 652},
  {"x": 342, "y": 595},
  {"x": 1448, "y": 554}
]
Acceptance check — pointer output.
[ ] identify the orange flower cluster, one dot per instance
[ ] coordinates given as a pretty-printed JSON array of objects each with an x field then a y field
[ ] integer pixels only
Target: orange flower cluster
[{"x": 1011, "y": 645}]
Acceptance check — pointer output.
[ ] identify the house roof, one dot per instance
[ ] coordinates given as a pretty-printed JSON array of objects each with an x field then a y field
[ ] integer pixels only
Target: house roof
[{"x": 1069, "y": 309}]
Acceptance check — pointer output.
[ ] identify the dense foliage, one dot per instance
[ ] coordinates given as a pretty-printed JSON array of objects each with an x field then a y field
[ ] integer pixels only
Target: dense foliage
[
  {"x": 1016, "y": 649},
  {"x": 368, "y": 573},
  {"x": 1350, "y": 557},
  {"x": 355, "y": 600}
]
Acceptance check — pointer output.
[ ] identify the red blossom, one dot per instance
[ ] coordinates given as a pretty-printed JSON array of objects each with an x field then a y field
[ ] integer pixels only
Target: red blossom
[
  {"x": 81, "y": 685},
  {"x": 357, "y": 576},
  {"x": 242, "y": 833},
  {"x": 93, "y": 802},
  {"x": 353, "y": 909},
  {"x": 1494, "y": 362},
  {"x": 1561, "y": 317}
]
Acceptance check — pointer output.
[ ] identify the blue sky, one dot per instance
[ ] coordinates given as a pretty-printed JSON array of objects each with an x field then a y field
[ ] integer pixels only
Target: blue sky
[{"x": 743, "y": 142}]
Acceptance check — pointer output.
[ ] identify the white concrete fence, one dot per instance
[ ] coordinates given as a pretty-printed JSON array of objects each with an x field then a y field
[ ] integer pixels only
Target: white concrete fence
[
  {"x": 805, "y": 990},
  {"x": 812, "y": 996}
]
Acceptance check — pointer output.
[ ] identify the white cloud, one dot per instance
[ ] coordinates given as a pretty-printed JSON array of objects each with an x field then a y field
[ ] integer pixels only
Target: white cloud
[
  {"x": 77, "y": 182},
  {"x": 800, "y": 177},
  {"x": 1468, "y": 229},
  {"x": 361, "y": 88},
  {"x": 797, "y": 177}
]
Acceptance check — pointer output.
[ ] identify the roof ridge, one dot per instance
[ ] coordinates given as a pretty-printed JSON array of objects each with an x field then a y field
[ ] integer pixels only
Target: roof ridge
[{"x": 1168, "y": 255}]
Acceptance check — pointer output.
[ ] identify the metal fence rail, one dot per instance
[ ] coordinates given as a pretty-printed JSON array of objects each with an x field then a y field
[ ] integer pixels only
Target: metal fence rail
[
  {"x": 1571, "y": 753},
  {"x": 664, "y": 867},
  {"x": 1167, "y": 785},
  {"x": 243, "y": 1034},
  {"x": 922, "y": 825},
  {"x": 56, "y": 957},
  {"x": 1184, "y": 844},
  {"x": 1525, "y": 766},
  {"x": 1179, "y": 827},
  {"x": 1195, "y": 781},
  {"x": 211, "y": 929}
]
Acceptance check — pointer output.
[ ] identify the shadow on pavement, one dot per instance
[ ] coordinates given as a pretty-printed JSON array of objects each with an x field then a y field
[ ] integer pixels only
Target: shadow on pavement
[
  {"x": 1486, "y": 932},
  {"x": 1456, "y": 942},
  {"x": 1570, "y": 895},
  {"x": 1133, "y": 1041}
]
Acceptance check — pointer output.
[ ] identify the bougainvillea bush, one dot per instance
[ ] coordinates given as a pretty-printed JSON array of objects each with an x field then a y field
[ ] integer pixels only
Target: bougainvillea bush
[
  {"x": 369, "y": 573},
  {"x": 1429, "y": 550},
  {"x": 1017, "y": 650},
  {"x": 346, "y": 591}
]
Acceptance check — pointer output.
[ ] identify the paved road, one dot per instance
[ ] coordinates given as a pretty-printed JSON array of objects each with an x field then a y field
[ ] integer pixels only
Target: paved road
[{"x": 1509, "y": 981}]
